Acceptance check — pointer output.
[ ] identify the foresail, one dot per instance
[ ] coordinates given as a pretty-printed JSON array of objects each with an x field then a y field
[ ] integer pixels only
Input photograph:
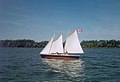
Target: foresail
[
  {"x": 57, "y": 46},
  {"x": 72, "y": 44},
  {"x": 47, "y": 48}
]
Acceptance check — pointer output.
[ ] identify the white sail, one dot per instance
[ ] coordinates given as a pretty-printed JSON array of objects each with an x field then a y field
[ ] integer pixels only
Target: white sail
[
  {"x": 47, "y": 48},
  {"x": 72, "y": 44},
  {"x": 57, "y": 45}
]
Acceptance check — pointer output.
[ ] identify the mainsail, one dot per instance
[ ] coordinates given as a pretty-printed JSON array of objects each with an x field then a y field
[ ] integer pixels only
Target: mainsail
[
  {"x": 47, "y": 48},
  {"x": 57, "y": 45},
  {"x": 72, "y": 44}
]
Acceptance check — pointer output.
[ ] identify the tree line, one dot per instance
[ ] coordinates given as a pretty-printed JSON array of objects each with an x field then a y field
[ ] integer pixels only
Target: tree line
[
  {"x": 101, "y": 43},
  {"x": 42, "y": 44},
  {"x": 22, "y": 43}
]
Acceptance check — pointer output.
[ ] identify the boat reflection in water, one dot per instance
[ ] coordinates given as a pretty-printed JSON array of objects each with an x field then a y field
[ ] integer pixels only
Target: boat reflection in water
[{"x": 71, "y": 68}]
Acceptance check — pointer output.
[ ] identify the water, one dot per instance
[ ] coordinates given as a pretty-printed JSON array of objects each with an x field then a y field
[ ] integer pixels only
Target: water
[{"x": 25, "y": 65}]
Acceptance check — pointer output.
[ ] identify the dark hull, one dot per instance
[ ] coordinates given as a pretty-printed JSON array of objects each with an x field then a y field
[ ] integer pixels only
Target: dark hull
[{"x": 64, "y": 57}]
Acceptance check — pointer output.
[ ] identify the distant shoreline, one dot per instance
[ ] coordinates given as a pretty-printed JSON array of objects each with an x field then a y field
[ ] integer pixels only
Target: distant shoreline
[{"x": 26, "y": 43}]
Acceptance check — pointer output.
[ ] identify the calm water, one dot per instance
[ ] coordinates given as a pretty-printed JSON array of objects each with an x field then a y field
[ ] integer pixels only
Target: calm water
[{"x": 25, "y": 65}]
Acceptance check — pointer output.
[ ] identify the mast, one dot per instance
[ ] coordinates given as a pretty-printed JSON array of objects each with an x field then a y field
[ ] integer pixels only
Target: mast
[
  {"x": 65, "y": 42},
  {"x": 51, "y": 44}
]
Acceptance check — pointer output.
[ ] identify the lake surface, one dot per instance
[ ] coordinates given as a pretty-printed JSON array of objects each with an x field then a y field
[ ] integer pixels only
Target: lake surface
[{"x": 25, "y": 65}]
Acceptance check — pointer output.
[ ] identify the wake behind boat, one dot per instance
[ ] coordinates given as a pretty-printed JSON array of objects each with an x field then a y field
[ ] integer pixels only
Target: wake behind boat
[{"x": 55, "y": 50}]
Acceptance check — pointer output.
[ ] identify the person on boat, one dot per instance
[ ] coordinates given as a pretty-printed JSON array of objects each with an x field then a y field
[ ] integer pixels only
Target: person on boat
[
  {"x": 66, "y": 52},
  {"x": 57, "y": 53}
]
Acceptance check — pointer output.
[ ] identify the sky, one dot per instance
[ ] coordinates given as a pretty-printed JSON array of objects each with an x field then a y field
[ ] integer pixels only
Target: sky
[{"x": 40, "y": 19}]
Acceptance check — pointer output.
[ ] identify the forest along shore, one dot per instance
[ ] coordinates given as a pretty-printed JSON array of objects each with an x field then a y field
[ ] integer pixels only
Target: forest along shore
[{"x": 42, "y": 44}]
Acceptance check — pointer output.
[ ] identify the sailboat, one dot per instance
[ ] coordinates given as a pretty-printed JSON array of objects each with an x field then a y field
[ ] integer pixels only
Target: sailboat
[{"x": 55, "y": 50}]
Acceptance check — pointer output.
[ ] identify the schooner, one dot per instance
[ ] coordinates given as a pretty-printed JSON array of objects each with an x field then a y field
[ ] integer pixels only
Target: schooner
[{"x": 55, "y": 50}]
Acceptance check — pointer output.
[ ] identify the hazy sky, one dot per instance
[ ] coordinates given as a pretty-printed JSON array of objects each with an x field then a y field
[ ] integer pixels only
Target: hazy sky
[{"x": 40, "y": 19}]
